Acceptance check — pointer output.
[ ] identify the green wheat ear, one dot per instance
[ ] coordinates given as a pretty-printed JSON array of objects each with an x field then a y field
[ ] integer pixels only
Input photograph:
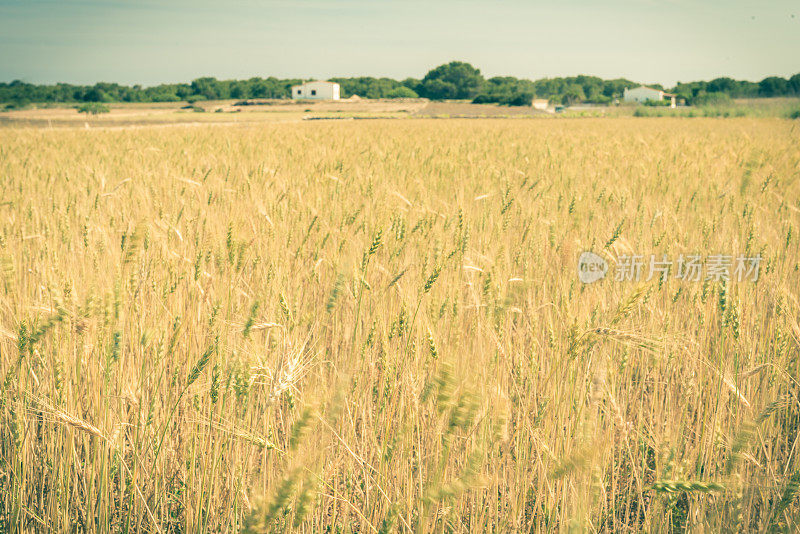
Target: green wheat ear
[
  {"x": 434, "y": 352},
  {"x": 335, "y": 292},
  {"x": 376, "y": 242},
  {"x": 281, "y": 499},
  {"x": 194, "y": 374},
  {"x": 615, "y": 235},
  {"x": 687, "y": 486},
  {"x": 626, "y": 306},
  {"x": 299, "y": 428},
  {"x": 305, "y": 498},
  {"x": 390, "y": 521},
  {"x": 432, "y": 279},
  {"x": 790, "y": 491},
  {"x": 251, "y": 319}
]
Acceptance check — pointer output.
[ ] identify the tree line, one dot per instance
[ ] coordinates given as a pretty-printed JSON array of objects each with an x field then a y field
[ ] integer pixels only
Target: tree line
[{"x": 454, "y": 80}]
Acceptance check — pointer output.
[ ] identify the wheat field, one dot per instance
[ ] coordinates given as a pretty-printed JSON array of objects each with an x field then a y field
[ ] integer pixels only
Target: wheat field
[{"x": 378, "y": 326}]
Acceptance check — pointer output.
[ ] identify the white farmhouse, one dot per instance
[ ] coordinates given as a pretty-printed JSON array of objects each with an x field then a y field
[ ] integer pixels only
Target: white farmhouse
[
  {"x": 318, "y": 90},
  {"x": 642, "y": 94},
  {"x": 540, "y": 103}
]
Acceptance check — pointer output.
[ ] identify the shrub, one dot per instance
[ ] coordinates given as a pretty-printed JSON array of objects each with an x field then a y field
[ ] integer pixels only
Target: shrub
[
  {"x": 484, "y": 99},
  {"x": 93, "y": 108},
  {"x": 658, "y": 103},
  {"x": 711, "y": 99},
  {"x": 402, "y": 92},
  {"x": 522, "y": 98},
  {"x": 17, "y": 104},
  {"x": 518, "y": 99}
]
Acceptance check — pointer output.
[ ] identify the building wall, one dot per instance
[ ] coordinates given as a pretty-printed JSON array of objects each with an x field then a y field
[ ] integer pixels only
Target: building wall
[
  {"x": 642, "y": 94},
  {"x": 316, "y": 91}
]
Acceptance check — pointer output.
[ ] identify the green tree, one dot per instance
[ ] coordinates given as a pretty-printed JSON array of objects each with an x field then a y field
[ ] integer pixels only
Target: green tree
[
  {"x": 208, "y": 87},
  {"x": 794, "y": 84},
  {"x": 773, "y": 86},
  {"x": 456, "y": 80},
  {"x": 722, "y": 85},
  {"x": 573, "y": 94},
  {"x": 616, "y": 88},
  {"x": 439, "y": 90},
  {"x": 95, "y": 94}
]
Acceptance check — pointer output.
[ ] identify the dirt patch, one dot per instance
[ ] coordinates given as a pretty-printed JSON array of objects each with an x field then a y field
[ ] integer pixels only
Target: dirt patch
[{"x": 468, "y": 110}]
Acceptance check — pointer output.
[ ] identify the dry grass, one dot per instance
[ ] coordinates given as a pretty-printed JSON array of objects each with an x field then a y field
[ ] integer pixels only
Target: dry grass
[
  {"x": 224, "y": 112},
  {"x": 377, "y": 326}
]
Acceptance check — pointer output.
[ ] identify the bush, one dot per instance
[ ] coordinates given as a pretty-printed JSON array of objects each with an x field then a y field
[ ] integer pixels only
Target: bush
[
  {"x": 93, "y": 107},
  {"x": 484, "y": 99},
  {"x": 96, "y": 94},
  {"x": 658, "y": 103},
  {"x": 167, "y": 98},
  {"x": 402, "y": 92},
  {"x": 711, "y": 99},
  {"x": 506, "y": 99},
  {"x": 195, "y": 98},
  {"x": 600, "y": 99},
  {"x": 17, "y": 104},
  {"x": 794, "y": 114},
  {"x": 518, "y": 99}
]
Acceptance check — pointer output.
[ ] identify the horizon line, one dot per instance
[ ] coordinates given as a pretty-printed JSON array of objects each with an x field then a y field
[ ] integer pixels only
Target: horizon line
[{"x": 313, "y": 78}]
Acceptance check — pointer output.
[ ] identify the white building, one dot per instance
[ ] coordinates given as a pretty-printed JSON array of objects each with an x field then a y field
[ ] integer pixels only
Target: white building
[
  {"x": 540, "y": 104},
  {"x": 318, "y": 90},
  {"x": 642, "y": 94}
]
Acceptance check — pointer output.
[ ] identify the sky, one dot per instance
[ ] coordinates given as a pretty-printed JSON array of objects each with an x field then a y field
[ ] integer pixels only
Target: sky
[{"x": 150, "y": 42}]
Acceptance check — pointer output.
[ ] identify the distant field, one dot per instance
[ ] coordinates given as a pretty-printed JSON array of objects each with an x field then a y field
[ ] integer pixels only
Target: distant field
[
  {"x": 378, "y": 325},
  {"x": 217, "y": 112},
  {"x": 227, "y": 112}
]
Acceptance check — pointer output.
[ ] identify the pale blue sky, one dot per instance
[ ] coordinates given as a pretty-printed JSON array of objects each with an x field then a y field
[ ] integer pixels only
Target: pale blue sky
[{"x": 149, "y": 42}]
